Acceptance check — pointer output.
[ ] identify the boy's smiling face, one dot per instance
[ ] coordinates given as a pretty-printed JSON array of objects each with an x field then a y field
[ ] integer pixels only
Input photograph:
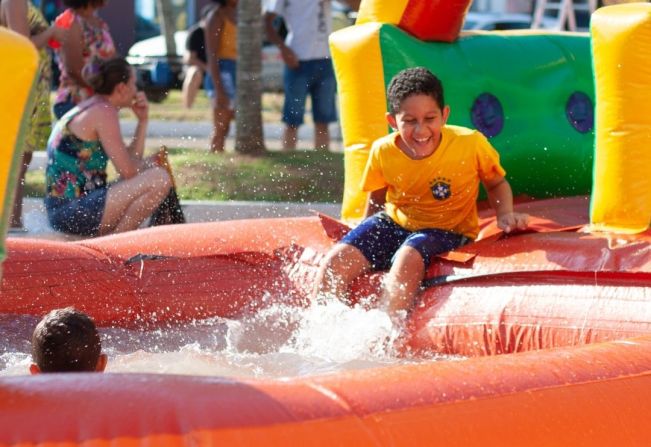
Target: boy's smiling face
[{"x": 419, "y": 122}]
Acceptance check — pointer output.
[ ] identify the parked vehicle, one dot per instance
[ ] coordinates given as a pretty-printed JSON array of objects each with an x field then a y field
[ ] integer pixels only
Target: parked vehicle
[
  {"x": 496, "y": 21},
  {"x": 157, "y": 73}
]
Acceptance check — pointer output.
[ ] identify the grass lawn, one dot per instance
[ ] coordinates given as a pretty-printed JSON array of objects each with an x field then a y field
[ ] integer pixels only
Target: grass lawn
[{"x": 303, "y": 176}]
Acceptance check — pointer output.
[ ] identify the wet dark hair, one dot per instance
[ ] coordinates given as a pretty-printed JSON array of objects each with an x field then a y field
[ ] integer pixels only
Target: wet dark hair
[
  {"x": 75, "y": 4},
  {"x": 414, "y": 81},
  {"x": 104, "y": 75},
  {"x": 66, "y": 340}
]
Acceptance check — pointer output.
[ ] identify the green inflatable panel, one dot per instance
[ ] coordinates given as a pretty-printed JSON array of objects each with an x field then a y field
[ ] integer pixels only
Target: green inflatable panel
[{"x": 532, "y": 94}]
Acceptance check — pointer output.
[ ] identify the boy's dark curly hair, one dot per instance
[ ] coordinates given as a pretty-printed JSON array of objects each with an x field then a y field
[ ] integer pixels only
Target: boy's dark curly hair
[
  {"x": 66, "y": 340},
  {"x": 414, "y": 81}
]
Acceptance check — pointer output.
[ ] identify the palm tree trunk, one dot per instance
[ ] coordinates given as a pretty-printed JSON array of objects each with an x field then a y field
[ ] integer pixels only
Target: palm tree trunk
[{"x": 249, "y": 138}]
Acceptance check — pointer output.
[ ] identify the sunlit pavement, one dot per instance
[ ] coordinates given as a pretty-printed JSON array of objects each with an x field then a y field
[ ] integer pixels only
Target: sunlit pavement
[
  {"x": 196, "y": 135},
  {"x": 36, "y": 223}
]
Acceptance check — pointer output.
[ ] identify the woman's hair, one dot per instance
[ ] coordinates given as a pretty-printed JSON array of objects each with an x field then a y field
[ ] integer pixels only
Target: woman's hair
[
  {"x": 76, "y": 4},
  {"x": 104, "y": 75}
]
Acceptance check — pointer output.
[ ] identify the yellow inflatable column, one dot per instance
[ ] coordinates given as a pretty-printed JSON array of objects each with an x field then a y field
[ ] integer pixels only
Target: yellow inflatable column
[
  {"x": 360, "y": 81},
  {"x": 621, "y": 47},
  {"x": 17, "y": 69}
]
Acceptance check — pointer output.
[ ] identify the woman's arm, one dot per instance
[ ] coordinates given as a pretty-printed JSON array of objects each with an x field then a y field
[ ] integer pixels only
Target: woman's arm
[
  {"x": 289, "y": 57},
  {"x": 16, "y": 16},
  {"x": 41, "y": 39},
  {"x": 140, "y": 108},
  {"x": 106, "y": 121}
]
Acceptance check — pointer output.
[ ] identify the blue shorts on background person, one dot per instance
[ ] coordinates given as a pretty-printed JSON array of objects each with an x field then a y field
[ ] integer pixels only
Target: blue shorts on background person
[
  {"x": 227, "y": 72},
  {"x": 315, "y": 78}
]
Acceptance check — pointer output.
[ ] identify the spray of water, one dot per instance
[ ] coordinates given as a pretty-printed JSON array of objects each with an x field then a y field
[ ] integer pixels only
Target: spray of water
[{"x": 277, "y": 341}]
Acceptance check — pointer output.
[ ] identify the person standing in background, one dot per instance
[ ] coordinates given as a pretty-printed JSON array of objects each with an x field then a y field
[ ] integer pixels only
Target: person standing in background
[
  {"x": 221, "y": 52},
  {"x": 88, "y": 39},
  {"x": 308, "y": 68},
  {"x": 22, "y": 17},
  {"x": 195, "y": 59}
]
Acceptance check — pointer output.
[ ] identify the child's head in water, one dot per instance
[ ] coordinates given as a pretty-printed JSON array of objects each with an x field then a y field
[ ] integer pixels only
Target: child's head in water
[{"x": 66, "y": 340}]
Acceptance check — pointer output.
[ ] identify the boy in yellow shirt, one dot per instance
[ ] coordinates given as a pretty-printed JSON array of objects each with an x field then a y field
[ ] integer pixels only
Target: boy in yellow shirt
[{"x": 423, "y": 181}]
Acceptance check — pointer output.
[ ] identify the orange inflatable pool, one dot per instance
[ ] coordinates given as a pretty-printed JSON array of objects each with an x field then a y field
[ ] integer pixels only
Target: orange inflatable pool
[{"x": 556, "y": 324}]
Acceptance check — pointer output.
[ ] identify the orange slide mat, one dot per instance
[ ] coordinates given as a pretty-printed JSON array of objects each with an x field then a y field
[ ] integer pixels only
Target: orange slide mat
[{"x": 556, "y": 325}]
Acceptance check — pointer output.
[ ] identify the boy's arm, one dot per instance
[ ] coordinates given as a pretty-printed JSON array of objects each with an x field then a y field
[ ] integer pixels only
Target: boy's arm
[
  {"x": 500, "y": 197},
  {"x": 375, "y": 202}
]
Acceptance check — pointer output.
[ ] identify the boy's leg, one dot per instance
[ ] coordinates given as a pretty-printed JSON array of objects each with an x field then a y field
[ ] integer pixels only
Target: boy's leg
[
  {"x": 410, "y": 263},
  {"x": 342, "y": 265},
  {"x": 369, "y": 246},
  {"x": 403, "y": 281}
]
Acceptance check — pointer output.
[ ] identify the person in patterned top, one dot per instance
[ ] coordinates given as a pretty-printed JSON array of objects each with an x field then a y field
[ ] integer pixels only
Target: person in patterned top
[
  {"x": 79, "y": 200},
  {"x": 88, "y": 39}
]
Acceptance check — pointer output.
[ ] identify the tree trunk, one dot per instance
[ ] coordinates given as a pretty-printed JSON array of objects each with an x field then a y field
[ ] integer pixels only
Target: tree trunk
[
  {"x": 249, "y": 137},
  {"x": 166, "y": 21}
]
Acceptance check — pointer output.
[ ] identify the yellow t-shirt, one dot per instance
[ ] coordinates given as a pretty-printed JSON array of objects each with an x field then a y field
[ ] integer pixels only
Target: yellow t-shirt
[{"x": 439, "y": 191}]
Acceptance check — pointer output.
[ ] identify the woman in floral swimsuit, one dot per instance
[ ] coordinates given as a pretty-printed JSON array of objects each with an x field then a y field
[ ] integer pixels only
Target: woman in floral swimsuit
[{"x": 78, "y": 198}]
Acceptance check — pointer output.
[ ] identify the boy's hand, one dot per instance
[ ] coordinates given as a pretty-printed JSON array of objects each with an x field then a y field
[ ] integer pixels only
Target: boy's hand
[{"x": 512, "y": 221}]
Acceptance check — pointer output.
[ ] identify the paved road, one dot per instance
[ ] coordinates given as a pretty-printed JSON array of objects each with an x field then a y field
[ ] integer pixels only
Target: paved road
[{"x": 196, "y": 134}]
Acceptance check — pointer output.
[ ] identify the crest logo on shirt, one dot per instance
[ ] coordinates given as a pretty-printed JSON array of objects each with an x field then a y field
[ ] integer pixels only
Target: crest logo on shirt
[{"x": 440, "y": 187}]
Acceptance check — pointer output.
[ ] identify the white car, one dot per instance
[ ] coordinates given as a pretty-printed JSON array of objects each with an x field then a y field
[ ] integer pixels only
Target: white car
[
  {"x": 494, "y": 21},
  {"x": 157, "y": 73}
]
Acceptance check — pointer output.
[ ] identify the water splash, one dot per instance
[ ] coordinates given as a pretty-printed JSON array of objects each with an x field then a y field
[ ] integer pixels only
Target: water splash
[{"x": 277, "y": 341}]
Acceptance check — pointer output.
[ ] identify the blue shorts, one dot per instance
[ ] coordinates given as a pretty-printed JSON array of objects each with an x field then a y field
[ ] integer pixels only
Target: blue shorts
[
  {"x": 379, "y": 238},
  {"x": 227, "y": 69},
  {"x": 81, "y": 216},
  {"x": 316, "y": 78}
]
